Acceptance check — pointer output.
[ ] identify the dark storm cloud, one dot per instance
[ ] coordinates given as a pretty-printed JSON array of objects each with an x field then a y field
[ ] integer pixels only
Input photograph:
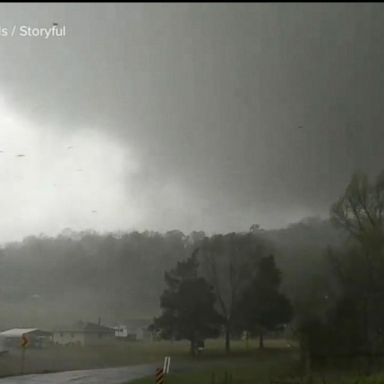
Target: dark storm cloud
[{"x": 257, "y": 112}]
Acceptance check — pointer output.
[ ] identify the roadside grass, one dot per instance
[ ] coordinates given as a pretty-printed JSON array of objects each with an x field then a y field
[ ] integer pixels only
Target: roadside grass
[
  {"x": 244, "y": 371},
  {"x": 276, "y": 363},
  {"x": 243, "y": 365},
  {"x": 253, "y": 376}
]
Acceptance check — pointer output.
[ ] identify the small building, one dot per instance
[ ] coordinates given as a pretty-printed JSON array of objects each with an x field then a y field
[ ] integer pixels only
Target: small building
[
  {"x": 133, "y": 330},
  {"x": 121, "y": 331},
  {"x": 84, "y": 334},
  {"x": 37, "y": 338}
]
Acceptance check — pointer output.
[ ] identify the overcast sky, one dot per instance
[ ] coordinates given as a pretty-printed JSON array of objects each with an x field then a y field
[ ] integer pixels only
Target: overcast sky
[{"x": 205, "y": 116}]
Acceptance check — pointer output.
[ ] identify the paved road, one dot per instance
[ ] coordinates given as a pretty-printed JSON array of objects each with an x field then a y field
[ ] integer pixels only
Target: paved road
[{"x": 92, "y": 376}]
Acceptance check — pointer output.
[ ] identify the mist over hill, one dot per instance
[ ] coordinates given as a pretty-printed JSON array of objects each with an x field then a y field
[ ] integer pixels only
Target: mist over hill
[{"x": 118, "y": 276}]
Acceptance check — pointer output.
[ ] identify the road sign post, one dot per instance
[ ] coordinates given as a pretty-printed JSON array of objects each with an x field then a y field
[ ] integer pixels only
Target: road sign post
[
  {"x": 24, "y": 341},
  {"x": 167, "y": 363},
  {"x": 160, "y": 376}
]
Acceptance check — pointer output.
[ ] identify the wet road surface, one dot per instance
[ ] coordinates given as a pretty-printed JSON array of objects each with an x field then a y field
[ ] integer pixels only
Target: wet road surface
[{"x": 118, "y": 375}]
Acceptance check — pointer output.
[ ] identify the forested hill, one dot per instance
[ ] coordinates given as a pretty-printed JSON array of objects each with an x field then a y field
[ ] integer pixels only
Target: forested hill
[
  {"x": 88, "y": 275},
  {"x": 300, "y": 251}
]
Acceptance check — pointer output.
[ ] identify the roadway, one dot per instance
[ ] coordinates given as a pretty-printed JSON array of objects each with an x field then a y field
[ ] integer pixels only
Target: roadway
[{"x": 118, "y": 375}]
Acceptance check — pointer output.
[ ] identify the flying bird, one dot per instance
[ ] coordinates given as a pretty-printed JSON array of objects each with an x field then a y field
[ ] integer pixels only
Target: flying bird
[
  {"x": 94, "y": 211},
  {"x": 20, "y": 155},
  {"x": 70, "y": 147},
  {"x": 55, "y": 24}
]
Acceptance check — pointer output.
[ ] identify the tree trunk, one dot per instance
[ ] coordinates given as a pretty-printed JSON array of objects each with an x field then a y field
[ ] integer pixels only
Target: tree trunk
[
  {"x": 305, "y": 355},
  {"x": 247, "y": 340},
  {"x": 192, "y": 348},
  {"x": 261, "y": 340},
  {"x": 227, "y": 338}
]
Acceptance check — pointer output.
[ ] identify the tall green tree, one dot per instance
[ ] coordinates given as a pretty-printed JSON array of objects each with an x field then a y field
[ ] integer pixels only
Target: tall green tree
[
  {"x": 351, "y": 318},
  {"x": 360, "y": 265},
  {"x": 188, "y": 305},
  {"x": 360, "y": 210},
  {"x": 228, "y": 263},
  {"x": 262, "y": 307}
]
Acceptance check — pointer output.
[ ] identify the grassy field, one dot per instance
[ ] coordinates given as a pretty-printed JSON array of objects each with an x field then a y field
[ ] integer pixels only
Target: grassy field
[
  {"x": 61, "y": 358},
  {"x": 246, "y": 364},
  {"x": 123, "y": 353},
  {"x": 243, "y": 365},
  {"x": 277, "y": 363},
  {"x": 254, "y": 375}
]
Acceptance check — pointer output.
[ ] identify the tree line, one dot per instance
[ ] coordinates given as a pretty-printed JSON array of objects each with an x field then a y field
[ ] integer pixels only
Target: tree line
[
  {"x": 117, "y": 276},
  {"x": 231, "y": 283}
]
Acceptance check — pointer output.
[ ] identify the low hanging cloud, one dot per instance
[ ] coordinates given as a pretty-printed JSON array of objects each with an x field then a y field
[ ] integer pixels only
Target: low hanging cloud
[
  {"x": 52, "y": 181},
  {"x": 81, "y": 179}
]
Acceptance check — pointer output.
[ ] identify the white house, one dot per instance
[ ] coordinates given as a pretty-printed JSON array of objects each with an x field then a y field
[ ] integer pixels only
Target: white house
[
  {"x": 135, "y": 329},
  {"x": 121, "y": 331},
  {"x": 84, "y": 334}
]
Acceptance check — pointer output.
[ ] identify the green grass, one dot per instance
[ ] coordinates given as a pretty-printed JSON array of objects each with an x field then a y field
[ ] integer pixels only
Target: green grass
[
  {"x": 244, "y": 361},
  {"x": 246, "y": 364},
  {"x": 255, "y": 373},
  {"x": 244, "y": 372},
  {"x": 252, "y": 376},
  {"x": 61, "y": 358},
  {"x": 251, "y": 366},
  {"x": 243, "y": 364}
]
